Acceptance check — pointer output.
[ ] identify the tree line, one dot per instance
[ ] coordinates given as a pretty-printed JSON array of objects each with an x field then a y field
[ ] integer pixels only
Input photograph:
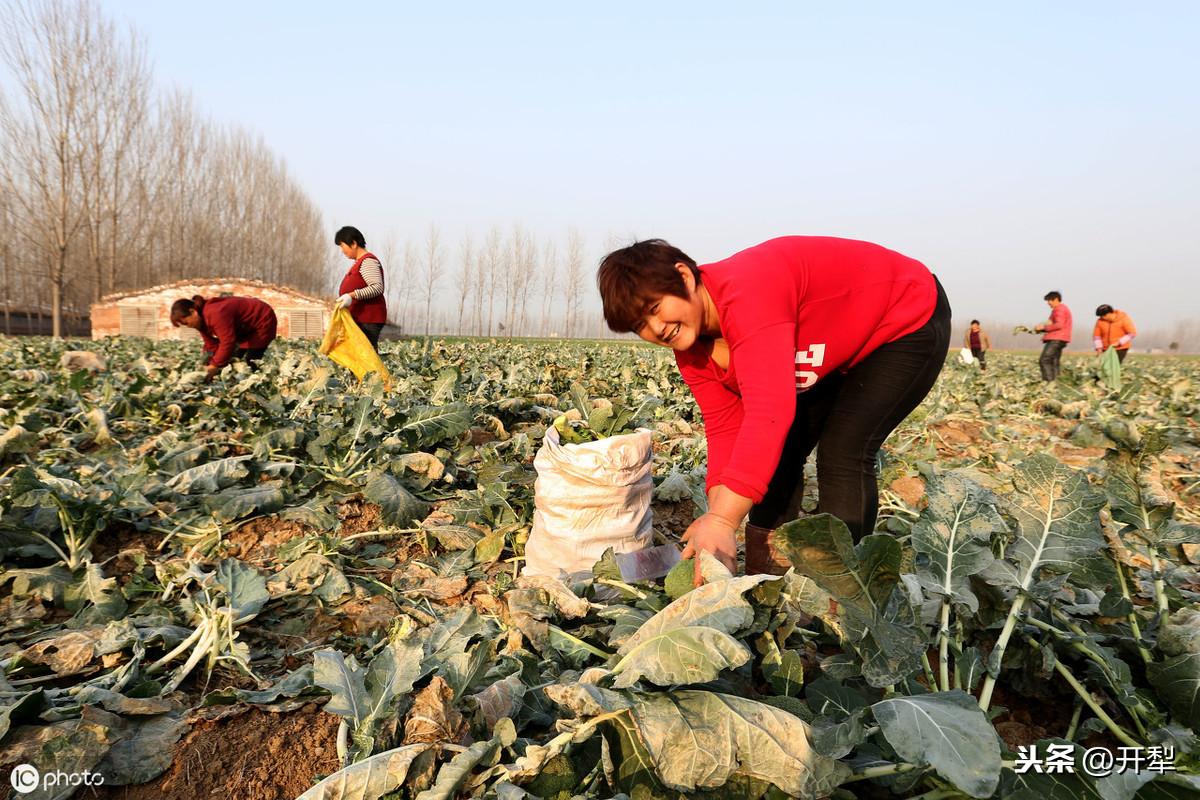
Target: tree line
[
  {"x": 507, "y": 282},
  {"x": 108, "y": 183}
]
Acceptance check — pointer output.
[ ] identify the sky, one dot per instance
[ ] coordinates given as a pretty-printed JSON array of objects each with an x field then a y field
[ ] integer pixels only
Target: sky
[{"x": 1014, "y": 148}]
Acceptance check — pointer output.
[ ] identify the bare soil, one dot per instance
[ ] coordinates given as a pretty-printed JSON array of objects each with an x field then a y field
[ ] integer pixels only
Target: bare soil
[{"x": 255, "y": 755}]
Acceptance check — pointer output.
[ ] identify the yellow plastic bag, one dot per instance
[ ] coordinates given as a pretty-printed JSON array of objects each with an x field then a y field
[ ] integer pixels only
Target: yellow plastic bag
[{"x": 346, "y": 344}]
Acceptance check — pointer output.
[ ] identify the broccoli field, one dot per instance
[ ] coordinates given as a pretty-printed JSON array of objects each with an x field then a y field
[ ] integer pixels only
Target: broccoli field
[{"x": 288, "y": 585}]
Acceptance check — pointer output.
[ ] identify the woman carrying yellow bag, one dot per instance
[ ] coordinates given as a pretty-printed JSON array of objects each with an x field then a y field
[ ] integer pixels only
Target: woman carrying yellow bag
[{"x": 346, "y": 344}]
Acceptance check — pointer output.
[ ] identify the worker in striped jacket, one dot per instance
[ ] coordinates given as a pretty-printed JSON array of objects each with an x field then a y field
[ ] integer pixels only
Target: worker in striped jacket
[{"x": 361, "y": 290}]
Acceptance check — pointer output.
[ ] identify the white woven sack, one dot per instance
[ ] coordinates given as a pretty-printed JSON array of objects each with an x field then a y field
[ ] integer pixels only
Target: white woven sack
[
  {"x": 966, "y": 355},
  {"x": 589, "y": 497}
]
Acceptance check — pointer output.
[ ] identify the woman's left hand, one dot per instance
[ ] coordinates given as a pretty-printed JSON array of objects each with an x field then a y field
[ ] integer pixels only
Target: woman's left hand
[{"x": 714, "y": 534}]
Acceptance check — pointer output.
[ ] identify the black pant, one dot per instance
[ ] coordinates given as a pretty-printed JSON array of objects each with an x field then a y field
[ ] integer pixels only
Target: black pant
[
  {"x": 1121, "y": 355},
  {"x": 980, "y": 356},
  {"x": 1051, "y": 359},
  {"x": 847, "y": 417},
  {"x": 372, "y": 330},
  {"x": 250, "y": 355}
]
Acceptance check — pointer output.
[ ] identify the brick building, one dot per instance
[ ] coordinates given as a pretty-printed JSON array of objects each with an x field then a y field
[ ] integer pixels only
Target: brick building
[{"x": 147, "y": 312}]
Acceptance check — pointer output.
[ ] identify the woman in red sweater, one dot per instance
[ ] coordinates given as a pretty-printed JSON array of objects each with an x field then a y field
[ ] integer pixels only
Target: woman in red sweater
[
  {"x": 232, "y": 327},
  {"x": 796, "y": 343}
]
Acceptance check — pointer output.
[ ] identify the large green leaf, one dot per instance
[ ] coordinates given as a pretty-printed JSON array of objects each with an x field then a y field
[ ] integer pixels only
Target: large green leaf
[
  {"x": 245, "y": 587},
  {"x": 1057, "y": 515},
  {"x": 955, "y": 532},
  {"x": 369, "y": 779},
  {"x": 232, "y": 504},
  {"x": 91, "y": 587},
  {"x": 1178, "y": 681},
  {"x": 432, "y": 424},
  {"x": 864, "y": 579},
  {"x": 397, "y": 504},
  {"x": 212, "y": 476},
  {"x": 346, "y": 683},
  {"x": 680, "y": 656},
  {"x": 948, "y": 731}
]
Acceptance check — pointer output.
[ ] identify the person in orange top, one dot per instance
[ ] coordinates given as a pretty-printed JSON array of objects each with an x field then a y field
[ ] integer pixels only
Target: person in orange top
[{"x": 1114, "y": 328}]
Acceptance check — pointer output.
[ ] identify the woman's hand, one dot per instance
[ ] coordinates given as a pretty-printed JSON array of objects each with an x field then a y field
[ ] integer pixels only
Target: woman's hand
[{"x": 714, "y": 534}]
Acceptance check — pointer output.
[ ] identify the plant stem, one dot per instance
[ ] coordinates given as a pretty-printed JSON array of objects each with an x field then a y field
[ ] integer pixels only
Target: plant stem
[
  {"x": 1160, "y": 585},
  {"x": 1086, "y": 696},
  {"x": 1074, "y": 726},
  {"x": 944, "y": 646},
  {"x": 1133, "y": 620},
  {"x": 985, "y": 695},
  {"x": 871, "y": 773},
  {"x": 929, "y": 671}
]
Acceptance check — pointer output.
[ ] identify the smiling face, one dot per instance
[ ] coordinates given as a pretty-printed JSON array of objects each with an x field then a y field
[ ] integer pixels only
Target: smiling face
[{"x": 674, "y": 322}]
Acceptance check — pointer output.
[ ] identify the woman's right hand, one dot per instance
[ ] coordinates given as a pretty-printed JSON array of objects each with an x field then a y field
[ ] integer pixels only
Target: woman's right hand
[{"x": 714, "y": 534}]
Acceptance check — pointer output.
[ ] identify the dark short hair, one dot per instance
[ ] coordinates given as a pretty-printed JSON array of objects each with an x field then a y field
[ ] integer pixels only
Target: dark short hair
[
  {"x": 349, "y": 235},
  {"x": 1104, "y": 309},
  {"x": 1053, "y": 296},
  {"x": 974, "y": 322},
  {"x": 183, "y": 307},
  {"x": 632, "y": 277}
]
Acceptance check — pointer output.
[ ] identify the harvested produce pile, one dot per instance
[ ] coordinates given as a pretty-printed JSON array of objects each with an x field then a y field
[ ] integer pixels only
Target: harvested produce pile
[{"x": 343, "y": 563}]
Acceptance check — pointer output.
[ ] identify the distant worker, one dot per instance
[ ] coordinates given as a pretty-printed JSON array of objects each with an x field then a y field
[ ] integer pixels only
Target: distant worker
[
  {"x": 362, "y": 286},
  {"x": 1057, "y": 335},
  {"x": 232, "y": 327},
  {"x": 1114, "y": 328},
  {"x": 978, "y": 342}
]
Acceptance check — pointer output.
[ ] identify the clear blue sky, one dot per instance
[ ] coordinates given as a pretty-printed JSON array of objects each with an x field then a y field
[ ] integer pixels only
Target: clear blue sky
[{"x": 1014, "y": 148}]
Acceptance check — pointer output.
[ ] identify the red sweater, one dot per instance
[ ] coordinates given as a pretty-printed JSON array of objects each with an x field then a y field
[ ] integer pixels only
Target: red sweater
[
  {"x": 792, "y": 311},
  {"x": 233, "y": 322},
  {"x": 372, "y": 310},
  {"x": 1058, "y": 329}
]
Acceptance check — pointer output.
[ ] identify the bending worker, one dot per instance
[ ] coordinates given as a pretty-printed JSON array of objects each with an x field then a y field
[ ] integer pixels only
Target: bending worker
[
  {"x": 362, "y": 285},
  {"x": 1114, "y": 328},
  {"x": 796, "y": 343},
  {"x": 232, "y": 327}
]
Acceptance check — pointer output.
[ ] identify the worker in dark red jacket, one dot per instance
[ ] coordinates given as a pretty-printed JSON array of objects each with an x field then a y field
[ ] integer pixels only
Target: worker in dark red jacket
[
  {"x": 362, "y": 286},
  {"x": 796, "y": 343},
  {"x": 232, "y": 327}
]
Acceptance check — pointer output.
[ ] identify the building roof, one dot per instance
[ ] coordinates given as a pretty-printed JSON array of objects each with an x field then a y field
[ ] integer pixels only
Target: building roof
[{"x": 116, "y": 296}]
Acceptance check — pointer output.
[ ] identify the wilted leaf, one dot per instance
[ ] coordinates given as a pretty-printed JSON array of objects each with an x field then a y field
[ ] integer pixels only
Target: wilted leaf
[
  {"x": 680, "y": 656},
  {"x": 370, "y": 778}
]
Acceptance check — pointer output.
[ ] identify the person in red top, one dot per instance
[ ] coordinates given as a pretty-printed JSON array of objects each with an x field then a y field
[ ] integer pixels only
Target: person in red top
[
  {"x": 362, "y": 286},
  {"x": 796, "y": 343},
  {"x": 232, "y": 327},
  {"x": 1057, "y": 335}
]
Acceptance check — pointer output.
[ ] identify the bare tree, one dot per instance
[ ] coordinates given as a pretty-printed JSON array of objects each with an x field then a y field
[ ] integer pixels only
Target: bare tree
[
  {"x": 45, "y": 44},
  {"x": 465, "y": 278},
  {"x": 549, "y": 284},
  {"x": 433, "y": 269},
  {"x": 495, "y": 251},
  {"x": 573, "y": 287}
]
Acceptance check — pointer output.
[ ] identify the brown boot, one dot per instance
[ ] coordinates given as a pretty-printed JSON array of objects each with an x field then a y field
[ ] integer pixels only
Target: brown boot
[{"x": 761, "y": 556}]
